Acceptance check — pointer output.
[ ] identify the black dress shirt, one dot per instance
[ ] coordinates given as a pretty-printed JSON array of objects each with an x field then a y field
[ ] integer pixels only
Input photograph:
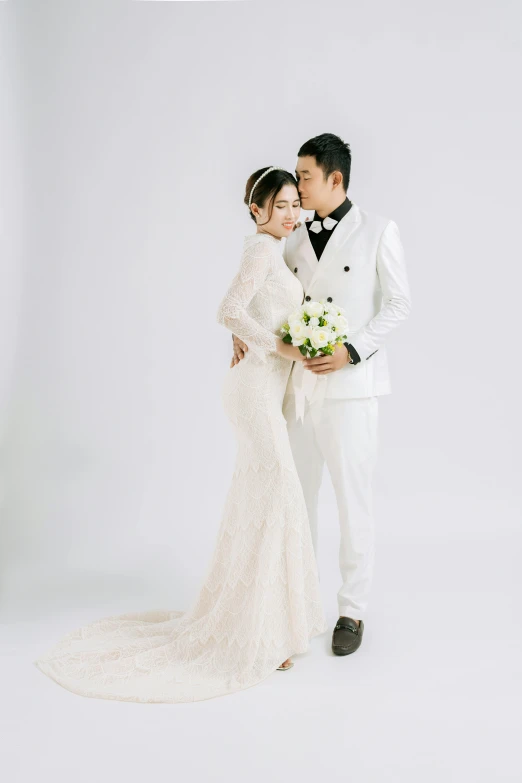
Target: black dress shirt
[{"x": 319, "y": 242}]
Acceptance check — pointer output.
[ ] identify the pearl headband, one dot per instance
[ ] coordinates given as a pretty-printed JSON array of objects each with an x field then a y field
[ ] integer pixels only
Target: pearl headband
[{"x": 272, "y": 168}]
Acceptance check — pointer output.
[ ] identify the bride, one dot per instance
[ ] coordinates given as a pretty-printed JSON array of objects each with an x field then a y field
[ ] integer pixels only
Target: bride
[{"x": 260, "y": 602}]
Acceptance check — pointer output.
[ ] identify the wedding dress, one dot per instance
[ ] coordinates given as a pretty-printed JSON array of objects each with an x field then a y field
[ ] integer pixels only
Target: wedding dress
[{"x": 260, "y": 602}]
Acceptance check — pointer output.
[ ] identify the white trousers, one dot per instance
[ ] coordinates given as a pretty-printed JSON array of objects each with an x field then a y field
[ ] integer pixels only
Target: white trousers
[{"x": 343, "y": 434}]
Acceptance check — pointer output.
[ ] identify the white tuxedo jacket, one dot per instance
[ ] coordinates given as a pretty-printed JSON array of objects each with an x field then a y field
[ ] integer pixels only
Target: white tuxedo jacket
[{"x": 362, "y": 269}]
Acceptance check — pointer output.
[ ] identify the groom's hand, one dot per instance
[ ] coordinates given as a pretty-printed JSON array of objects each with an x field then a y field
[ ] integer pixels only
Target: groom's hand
[
  {"x": 322, "y": 365},
  {"x": 240, "y": 349}
]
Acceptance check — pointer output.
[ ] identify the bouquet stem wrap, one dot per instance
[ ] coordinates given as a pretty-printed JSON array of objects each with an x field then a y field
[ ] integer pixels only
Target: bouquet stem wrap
[{"x": 307, "y": 386}]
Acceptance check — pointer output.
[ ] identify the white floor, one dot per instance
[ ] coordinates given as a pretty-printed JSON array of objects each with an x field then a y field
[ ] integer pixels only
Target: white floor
[{"x": 432, "y": 695}]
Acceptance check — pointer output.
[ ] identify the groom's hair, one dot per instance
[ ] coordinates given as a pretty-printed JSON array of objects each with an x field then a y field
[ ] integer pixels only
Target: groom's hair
[{"x": 331, "y": 154}]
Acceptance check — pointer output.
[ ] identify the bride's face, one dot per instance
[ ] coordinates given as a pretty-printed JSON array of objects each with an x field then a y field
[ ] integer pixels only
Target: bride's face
[{"x": 285, "y": 213}]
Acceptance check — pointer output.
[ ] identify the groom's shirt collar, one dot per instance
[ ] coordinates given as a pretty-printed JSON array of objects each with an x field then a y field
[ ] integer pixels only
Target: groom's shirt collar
[
  {"x": 338, "y": 213},
  {"x": 320, "y": 240}
]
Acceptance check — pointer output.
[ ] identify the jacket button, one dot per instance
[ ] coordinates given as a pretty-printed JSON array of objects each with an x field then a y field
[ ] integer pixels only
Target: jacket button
[
  {"x": 295, "y": 270},
  {"x": 329, "y": 299},
  {"x": 346, "y": 268},
  {"x": 307, "y": 298}
]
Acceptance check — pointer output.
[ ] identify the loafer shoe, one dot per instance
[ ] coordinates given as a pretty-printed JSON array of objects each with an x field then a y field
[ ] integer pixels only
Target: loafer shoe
[{"x": 347, "y": 636}]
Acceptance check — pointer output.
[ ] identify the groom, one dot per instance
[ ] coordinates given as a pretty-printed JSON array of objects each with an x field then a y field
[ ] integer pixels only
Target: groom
[{"x": 356, "y": 260}]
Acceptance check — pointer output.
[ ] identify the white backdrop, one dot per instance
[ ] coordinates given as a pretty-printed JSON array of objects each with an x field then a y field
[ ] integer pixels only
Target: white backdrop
[{"x": 134, "y": 127}]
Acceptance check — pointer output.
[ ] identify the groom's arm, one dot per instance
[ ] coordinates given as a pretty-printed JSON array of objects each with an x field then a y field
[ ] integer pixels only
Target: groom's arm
[{"x": 396, "y": 301}]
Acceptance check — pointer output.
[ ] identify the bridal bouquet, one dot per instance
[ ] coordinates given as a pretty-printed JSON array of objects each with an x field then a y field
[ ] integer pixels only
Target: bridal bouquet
[{"x": 316, "y": 328}]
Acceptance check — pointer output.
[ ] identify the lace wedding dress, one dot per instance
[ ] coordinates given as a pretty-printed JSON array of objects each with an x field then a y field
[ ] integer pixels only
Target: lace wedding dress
[{"x": 259, "y": 603}]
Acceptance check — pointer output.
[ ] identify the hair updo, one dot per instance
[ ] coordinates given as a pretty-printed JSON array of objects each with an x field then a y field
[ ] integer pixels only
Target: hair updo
[{"x": 268, "y": 188}]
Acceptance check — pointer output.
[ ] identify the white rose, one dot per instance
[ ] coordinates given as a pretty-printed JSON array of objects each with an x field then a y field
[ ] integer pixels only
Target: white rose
[
  {"x": 331, "y": 320},
  {"x": 299, "y": 332},
  {"x": 342, "y": 324},
  {"x": 294, "y": 327},
  {"x": 314, "y": 309},
  {"x": 320, "y": 337},
  {"x": 313, "y": 321}
]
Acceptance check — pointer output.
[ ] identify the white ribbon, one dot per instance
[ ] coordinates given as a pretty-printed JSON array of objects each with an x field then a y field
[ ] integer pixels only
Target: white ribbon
[{"x": 305, "y": 383}]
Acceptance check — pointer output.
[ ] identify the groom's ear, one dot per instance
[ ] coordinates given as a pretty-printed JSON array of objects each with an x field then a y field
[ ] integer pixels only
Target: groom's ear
[{"x": 337, "y": 179}]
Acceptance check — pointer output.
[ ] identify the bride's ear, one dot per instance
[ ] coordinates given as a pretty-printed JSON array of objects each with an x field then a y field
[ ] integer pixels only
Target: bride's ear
[{"x": 255, "y": 210}]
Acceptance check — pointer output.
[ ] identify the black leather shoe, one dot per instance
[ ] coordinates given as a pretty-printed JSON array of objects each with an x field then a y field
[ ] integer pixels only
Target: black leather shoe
[{"x": 347, "y": 636}]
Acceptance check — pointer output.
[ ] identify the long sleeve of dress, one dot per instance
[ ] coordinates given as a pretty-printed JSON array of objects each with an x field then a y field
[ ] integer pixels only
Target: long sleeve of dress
[{"x": 248, "y": 288}]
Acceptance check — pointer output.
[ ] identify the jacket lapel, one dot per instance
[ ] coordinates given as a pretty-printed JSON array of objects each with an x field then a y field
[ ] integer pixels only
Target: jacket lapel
[
  {"x": 341, "y": 234},
  {"x": 306, "y": 250}
]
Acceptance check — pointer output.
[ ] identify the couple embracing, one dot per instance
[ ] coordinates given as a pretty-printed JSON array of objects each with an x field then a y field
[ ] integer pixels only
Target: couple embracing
[{"x": 260, "y": 601}]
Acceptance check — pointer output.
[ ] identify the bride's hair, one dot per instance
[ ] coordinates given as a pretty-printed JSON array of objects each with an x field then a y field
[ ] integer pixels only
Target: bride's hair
[{"x": 268, "y": 188}]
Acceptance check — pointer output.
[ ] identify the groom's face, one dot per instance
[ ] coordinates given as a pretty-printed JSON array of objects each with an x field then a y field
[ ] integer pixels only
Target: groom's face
[{"x": 315, "y": 191}]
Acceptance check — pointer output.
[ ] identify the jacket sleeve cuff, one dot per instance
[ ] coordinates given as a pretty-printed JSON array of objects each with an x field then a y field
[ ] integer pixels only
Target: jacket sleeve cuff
[{"x": 354, "y": 356}]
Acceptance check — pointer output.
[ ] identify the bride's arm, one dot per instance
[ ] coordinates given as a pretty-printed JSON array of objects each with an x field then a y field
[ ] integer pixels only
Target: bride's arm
[{"x": 255, "y": 267}]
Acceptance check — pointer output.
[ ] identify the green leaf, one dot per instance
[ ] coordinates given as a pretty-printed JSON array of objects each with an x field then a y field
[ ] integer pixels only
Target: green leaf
[
  {"x": 287, "y": 339},
  {"x": 302, "y": 348}
]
